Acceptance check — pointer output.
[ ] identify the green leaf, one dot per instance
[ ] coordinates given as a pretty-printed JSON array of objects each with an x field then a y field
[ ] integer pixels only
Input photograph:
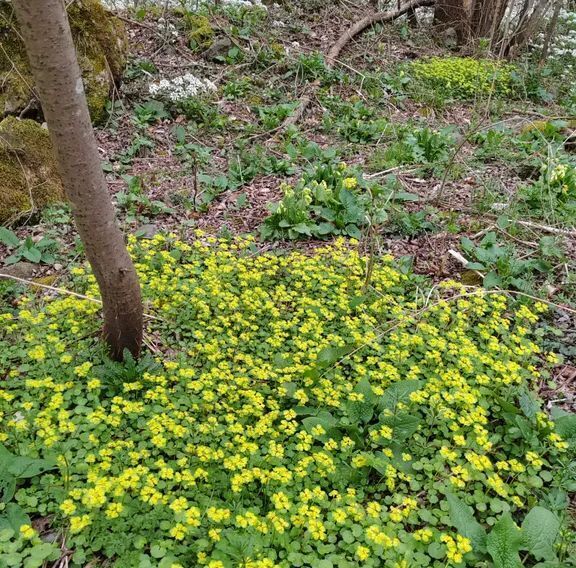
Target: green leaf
[
  {"x": 539, "y": 532},
  {"x": 463, "y": 520},
  {"x": 503, "y": 543},
  {"x": 353, "y": 231},
  {"x": 303, "y": 229},
  {"x": 492, "y": 280},
  {"x": 436, "y": 550},
  {"x": 8, "y": 238},
  {"x": 23, "y": 468},
  {"x": 7, "y": 486},
  {"x": 359, "y": 412},
  {"x": 327, "y": 421},
  {"x": 565, "y": 426},
  {"x": 528, "y": 404},
  {"x": 399, "y": 392},
  {"x": 32, "y": 254},
  {"x": 330, "y": 355},
  {"x": 13, "y": 517},
  {"x": 403, "y": 424},
  {"x": 325, "y": 228},
  {"x": 157, "y": 551},
  {"x": 405, "y": 196}
]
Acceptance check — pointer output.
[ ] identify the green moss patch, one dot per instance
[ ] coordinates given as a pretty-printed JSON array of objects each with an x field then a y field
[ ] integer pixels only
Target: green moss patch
[
  {"x": 28, "y": 174},
  {"x": 101, "y": 44}
]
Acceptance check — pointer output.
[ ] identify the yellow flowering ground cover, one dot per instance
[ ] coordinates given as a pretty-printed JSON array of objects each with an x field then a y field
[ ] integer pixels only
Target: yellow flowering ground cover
[{"x": 286, "y": 418}]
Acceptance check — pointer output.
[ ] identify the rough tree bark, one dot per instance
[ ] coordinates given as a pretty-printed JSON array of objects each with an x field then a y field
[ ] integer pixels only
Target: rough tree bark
[
  {"x": 453, "y": 14},
  {"x": 472, "y": 19},
  {"x": 46, "y": 33},
  {"x": 550, "y": 32}
]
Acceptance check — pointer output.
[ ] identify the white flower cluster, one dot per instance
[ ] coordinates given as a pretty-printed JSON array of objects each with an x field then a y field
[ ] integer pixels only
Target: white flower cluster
[
  {"x": 244, "y": 3},
  {"x": 181, "y": 88}
]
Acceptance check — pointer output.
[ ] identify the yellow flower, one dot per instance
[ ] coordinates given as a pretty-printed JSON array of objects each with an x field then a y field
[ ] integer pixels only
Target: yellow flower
[
  {"x": 178, "y": 531},
  {"x": 79, "y": 523},
  {"x": 27, "y": 532},
  {"x": 68, "y": 507},
  {"x": 350, "y": 182},
  {"x": 362, "y": 553},
  {"x": 113, "y": 510}
]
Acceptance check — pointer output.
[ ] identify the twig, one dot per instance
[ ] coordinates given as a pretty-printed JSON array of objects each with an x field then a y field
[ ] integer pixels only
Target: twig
[
  {"x": 389, "y": 171},
  {"x": 62, "y": 291},
  {"x": 351, "y": 32},
  {"x": 546, "y": 228}
]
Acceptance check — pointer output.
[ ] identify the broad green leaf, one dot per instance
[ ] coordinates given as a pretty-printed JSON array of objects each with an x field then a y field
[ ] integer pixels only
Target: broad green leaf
[
  {"x": 13, "y": 517},
  {"x": 22, "y": 467},
  {"x": 404, "y": 425},
  {"x": 463, "y": 520},
  {"x": 353, "y": 231},
  {"x": 7, "y": 486},
  {"x": 492, "y": 280},
  {"x": 365, "y": 388},
  {"x": 32, "y": 254},
  {"x": 325, "y": 228},
  {"x": 327, "y": 421},
  {"x": 8, "y": 238},
  {"x": 565, "y": 426},
  {"x": 399, "y": 392},
  {"x": 539, "y": 532},
  {"x": 359, "y": 412},
  {"x": 503, "y": 543},
  {"x": 528, "y": 404},
  {"x": 303, "y": 229},
  {"x": 330, "y": 355}
]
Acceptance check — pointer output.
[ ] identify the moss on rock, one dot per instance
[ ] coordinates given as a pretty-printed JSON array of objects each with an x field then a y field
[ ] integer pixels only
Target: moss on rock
[
  {"x": 101, "y": 44},
  {"x": 28, "y": 173},
  {"x": 200, "y": 31}
]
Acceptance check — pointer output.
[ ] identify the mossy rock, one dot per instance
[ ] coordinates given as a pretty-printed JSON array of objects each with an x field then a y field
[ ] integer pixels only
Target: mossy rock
[
  {"x": 28, "y": 174},
  {"x": 200, "y": 31},
  {"x": 101, "y": 45}
]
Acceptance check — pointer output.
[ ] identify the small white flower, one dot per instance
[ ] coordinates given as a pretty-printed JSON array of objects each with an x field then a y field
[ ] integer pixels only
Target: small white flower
[{"x": 181, "y": 88}]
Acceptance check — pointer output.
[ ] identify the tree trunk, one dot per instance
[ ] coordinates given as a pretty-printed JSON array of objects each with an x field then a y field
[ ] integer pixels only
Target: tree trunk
[
  {"x": 486, "y": 15},
  {"x": 528, "y": 24},
  {"x": 46, "y": 33},
  {"x": 472, "y": 19},
  {"x": 550, "y": 32},
  {"x": 453, "y": 14}
]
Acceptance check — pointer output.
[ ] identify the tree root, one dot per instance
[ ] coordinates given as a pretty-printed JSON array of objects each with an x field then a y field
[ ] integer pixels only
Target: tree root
[{"x": 350, "y": 33}]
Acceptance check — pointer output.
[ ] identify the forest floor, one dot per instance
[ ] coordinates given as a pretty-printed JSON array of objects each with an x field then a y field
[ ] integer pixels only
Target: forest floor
[
  {"x": 218, "y": 162},
  {"x": 460, "y": 172}
]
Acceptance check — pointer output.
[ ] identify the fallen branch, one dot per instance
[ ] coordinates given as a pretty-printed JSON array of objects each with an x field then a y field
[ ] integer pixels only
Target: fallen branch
[
  {"x": 546, "y": 228},
  {"x": 61, "y": 291},
  {"x": 350, "y": 33}
]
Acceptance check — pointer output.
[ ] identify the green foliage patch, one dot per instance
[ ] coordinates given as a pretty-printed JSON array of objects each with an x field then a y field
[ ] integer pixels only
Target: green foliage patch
[
  {"x": 330, "y": 199},
  {"x": 463, "y": 77},
  {"x": 289, "y": 417}
]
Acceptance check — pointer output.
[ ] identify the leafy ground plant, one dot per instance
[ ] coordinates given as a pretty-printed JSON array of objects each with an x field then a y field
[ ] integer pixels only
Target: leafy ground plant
[
  {"x": 41, "y": 251},
  {"x": 463, "y": 77},
  {"x": 302, "y": 420},
  {"x": 330, "y": 199}
]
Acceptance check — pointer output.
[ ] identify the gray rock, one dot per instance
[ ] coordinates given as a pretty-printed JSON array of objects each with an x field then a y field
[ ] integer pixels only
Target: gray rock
[
  {"x": 219, "y": 48},
  {"x": 23, "y": 270},
  {"x": 147, "y": 231}
]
